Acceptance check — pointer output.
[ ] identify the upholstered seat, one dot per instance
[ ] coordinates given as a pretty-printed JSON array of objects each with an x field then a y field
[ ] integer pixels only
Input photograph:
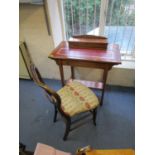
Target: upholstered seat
[{"x": 77, "y": 98}]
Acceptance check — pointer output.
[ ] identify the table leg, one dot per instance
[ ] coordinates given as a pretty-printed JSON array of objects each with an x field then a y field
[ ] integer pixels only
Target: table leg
[
  {"x": 104, "y": 85},
  {"x": 61, "y": 74},
  {"x": 72, "y": 72}
]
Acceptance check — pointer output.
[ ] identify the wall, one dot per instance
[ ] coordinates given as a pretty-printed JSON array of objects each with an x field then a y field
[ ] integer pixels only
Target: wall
[
  {"x": 22, "y": 68},
  {"x": 33, "y": 30}
]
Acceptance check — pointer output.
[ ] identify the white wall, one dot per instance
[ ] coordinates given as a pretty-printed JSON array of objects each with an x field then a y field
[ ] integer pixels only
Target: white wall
[
  {"x": 34, "y": 31},
  {"x": 22, "y": 68},
  {"x": 55, "y": 25}
]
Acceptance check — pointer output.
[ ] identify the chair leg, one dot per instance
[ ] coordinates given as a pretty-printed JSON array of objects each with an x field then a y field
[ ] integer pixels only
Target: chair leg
[
  {"x": 68, "y": 124},
  {"x": 22, "y": 146},
  {"x": 55, "y": 114},
  {"x": 94, "y": 116}
]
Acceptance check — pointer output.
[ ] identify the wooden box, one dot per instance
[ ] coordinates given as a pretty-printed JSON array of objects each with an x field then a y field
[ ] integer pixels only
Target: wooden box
[{"x": 88, "y": 41}]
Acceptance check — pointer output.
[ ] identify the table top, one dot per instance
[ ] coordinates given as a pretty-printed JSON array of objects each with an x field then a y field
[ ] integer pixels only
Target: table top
[{"x": 110, "y": 55}]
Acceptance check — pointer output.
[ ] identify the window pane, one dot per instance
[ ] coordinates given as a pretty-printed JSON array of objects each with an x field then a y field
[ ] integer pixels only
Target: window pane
[
  {"x": 81, "y": 16},
  {"x": 120, "y": 25}
]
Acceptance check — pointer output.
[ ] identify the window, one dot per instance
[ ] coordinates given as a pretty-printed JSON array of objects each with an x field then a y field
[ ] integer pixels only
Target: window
[
  {"x": 112, "y": 18},
  {"x": 81, "y": 17},
  {"x": 120, "y": 25}
]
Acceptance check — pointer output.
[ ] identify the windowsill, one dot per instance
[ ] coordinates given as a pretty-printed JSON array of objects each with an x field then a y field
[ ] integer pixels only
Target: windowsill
[{"x": 126, "y": 65}]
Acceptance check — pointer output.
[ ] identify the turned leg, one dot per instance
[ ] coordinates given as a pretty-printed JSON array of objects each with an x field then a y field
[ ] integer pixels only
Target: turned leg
[
  {"x": 55, "y": 114},
  {"x": 94, "y": 116},
  {"x": 104, "y": 84},
  {"x": 61, "y": 74},
  {"x": 72, "y": 72},
  {"x": 68, "y": 124}
]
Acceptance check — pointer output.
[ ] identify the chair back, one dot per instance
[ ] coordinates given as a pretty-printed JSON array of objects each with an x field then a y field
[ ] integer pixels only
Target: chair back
[
  {"x": 36, "y": 76},
  {"x": 26, "y": 56}
]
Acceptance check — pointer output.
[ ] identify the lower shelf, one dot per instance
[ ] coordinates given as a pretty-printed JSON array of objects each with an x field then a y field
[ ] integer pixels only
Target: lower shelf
[{"x": 90, "y": 84}]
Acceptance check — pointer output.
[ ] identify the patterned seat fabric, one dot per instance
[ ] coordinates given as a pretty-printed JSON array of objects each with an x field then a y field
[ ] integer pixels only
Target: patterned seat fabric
[{"x": 77, "y": 98}]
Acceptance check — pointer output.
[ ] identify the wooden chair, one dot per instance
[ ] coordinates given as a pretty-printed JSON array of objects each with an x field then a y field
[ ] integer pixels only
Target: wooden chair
[{"x": 71, "y": 100}]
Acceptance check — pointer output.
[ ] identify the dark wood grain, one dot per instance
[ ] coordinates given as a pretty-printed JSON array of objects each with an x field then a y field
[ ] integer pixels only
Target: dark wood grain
[
  {"x": 104, "y": 81},
  {"x": 88, "y": 42},
  {"x": 72, "y": 72},
  {"x": 62, "y": 74},
  {"x": 111, "y": 55}
]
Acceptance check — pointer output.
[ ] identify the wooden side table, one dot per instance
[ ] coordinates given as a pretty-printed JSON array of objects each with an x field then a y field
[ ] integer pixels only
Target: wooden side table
[{"x": 92, "y": 58}]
